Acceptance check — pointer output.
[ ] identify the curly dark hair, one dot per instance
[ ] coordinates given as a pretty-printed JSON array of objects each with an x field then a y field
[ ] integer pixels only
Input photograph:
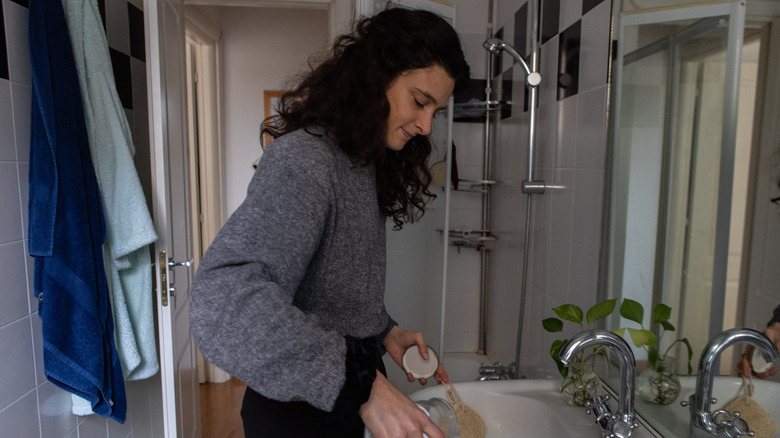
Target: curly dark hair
[{"x": 345, "y": 94}]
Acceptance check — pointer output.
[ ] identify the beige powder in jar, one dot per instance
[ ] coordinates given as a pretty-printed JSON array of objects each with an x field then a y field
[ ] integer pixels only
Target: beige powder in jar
[{"x": 470, "y": 423}]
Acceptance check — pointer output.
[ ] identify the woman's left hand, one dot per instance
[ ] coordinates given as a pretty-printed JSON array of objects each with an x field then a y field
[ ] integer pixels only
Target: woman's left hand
[{"x": 399, "y": 340}]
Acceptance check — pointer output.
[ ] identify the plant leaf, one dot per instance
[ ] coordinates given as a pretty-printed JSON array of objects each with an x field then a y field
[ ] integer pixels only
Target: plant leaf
[
  {"x": 690, "y": 354},
  {"x": 552, "y": 325},
  {"x": 600, "y": 310},
  {"x": 661, "y": 313},
  {"x": 556, "y": 348},
  {"x": 667, "y": 326},
  {"x": 642, "y": 337},
  {"x": 621, "y": 332},
  {"x": 652, "y": 356},
  {"x": 632, "y": 311},
  {"x": 569, "y": 312}
]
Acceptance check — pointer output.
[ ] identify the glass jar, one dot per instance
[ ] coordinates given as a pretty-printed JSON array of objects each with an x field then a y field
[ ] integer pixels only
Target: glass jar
[
  {"x": 441, "y": 413},
  {"x": 580, "y": 384},
  {"x": 658, "y": 385}
]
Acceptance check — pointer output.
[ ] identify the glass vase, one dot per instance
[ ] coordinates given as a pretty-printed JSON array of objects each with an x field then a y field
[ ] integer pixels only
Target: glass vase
[
  {"x": 581, "y": 384},
  {"x": 658, "y": 385}
]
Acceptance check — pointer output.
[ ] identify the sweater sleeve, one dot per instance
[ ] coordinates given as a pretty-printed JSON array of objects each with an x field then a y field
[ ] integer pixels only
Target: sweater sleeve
[{"x": 242, "y": 312}]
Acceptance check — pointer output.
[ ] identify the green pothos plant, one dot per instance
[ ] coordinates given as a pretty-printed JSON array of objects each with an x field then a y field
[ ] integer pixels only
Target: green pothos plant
[
  {"x": 573, "y": 313},
  {"x": 644, "y": 338}
]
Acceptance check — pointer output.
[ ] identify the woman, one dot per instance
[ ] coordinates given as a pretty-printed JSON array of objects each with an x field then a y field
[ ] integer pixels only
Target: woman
[{"x": 289, "y": 297}]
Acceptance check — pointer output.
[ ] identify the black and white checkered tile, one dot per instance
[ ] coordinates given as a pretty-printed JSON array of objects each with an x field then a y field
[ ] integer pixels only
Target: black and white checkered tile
[
  {"x": 124, "y": 23},
  {"x": 566, "y": 29}
]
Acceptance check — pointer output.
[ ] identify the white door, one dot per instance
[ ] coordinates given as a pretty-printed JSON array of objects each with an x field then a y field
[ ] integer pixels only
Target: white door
[{"x": 171, "y": 200}]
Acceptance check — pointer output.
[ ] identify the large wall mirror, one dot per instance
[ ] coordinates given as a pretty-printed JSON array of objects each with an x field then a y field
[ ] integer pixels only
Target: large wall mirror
[{"x": 694, "y": 165}]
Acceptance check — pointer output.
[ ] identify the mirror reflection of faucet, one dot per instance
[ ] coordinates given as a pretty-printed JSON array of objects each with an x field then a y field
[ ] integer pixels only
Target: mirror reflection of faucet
[
  {"x": 622, "y": 423},
  {"x": 721, "y": 423}
]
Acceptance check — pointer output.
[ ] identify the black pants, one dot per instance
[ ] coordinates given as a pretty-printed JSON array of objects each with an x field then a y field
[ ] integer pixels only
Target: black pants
[{"x": 267, "y": 418}]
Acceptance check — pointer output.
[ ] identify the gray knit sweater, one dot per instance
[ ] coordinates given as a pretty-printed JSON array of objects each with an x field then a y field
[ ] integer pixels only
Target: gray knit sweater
[{"x": 298, "y": 266}]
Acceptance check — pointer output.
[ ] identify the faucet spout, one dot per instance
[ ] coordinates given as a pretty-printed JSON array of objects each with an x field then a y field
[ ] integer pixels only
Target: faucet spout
[
  {"x": 703, "y": 421},
  {"x": 623, "y": 421}
]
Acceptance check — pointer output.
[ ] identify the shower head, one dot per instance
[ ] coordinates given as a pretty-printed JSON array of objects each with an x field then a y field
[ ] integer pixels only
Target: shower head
[{"x": 496, "y": 46}]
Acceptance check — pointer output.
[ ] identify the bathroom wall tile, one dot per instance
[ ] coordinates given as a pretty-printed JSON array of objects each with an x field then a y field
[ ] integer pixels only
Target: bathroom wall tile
[
  {"x": 566, "y": 130},
  {"x": 550, "y": 19},
  {"x": 583, "y": 276},
  {"x": 569, "y": 61},
  {"x": 521, "y": 30},
  {"x": 588, "y": 193},
  {"x": 138, "y": 85},
  {"x": 542, "y": 205},
  {"x": 507, "y": 84},
  {"x": 20, "y": 420},
  {"x": 135, "y": 19},
  {"x": 18, "y": 49},
  {"x": 56, "y": 417},
  {"x": 7, "y": 144},
  {"x": 558, "y": 268},
  {"x": 561, "y": 195},
  {"x": 37, "y": 339},
  {"x": 546, "y": 136},
  {"x": 591, "y": 129},
  {"x": 21, "y": 95},
  {"x": 3, "y": 49},
  {"x": 122, "y": 76},
  {"x": 24, "y": 192},
  {"x": 548, "y": 67},
  {"x": 594, "y": 48},
  {"x": 571, "y": 11},
  {"x": 17, "y": 366},
  {"x": 13, "y": 272},
  {"x": 93, "y": 426},
  {"x": 587, "y": 5},
  {"x": 513, "y": 133},
  {"x": 118, "y": 26},
  {"x": 10, "y": 214},
  {"x": 505, "y": 8},
  {"x": 540, "y": 251}
]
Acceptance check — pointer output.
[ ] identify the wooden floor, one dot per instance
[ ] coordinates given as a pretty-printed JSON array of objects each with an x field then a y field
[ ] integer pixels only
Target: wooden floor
[{"x": 220, "y": 409}]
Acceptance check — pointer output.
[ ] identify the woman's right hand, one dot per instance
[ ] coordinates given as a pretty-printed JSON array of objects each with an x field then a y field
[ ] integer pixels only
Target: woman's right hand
[{"x": 389, "y": 413}]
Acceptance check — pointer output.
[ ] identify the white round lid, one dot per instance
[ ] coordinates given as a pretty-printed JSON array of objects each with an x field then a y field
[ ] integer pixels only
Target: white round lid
[
  {"x": 417, "y": 366},
  {"x": 759, "y": 364}
]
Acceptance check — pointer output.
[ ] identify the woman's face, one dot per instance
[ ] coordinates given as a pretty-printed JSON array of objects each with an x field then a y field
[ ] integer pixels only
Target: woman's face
[{"x": 415, "y": 97}]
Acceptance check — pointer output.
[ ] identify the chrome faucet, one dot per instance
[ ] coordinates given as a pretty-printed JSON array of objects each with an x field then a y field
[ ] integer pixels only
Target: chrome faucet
[
  {"x": 620, "y": 424},
  {"x": 497, "y": 371},
  {"x": 721, "y": 423}
]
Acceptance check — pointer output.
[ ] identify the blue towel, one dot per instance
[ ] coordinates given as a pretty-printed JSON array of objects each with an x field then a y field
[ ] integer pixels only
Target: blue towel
[{"x": 66, "y": 225}]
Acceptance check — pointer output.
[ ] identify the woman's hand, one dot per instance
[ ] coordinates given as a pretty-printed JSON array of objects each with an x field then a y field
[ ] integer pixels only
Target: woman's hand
[
  {"x": 388, "y": 413},
  {"x": 746, "y": 367},
  {"x": 399, "y": 340}
]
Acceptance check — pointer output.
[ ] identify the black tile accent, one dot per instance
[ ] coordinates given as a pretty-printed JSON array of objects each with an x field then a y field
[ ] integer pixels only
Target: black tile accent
[
  {"x": 24, "y": 3},
  {"x": 521, "y": 30},
  {"x": 124, "y": 84},
  {"x": 137, "y": 40},
  {"x": 551, "y": 12},
  {"x": 102, "y": 10},
  {"x": 506, "y": 93},
  {"x": 475, "y": 91},
  {"x": 497, "y": 59},
  {"x": 3, "y": 49},
  {"x": 587, "y": 5},
  {"x": 569, "y": 60}
]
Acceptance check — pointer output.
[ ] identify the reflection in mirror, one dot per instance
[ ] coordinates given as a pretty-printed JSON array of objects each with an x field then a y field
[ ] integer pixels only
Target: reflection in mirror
[{"x": 692, "y": 126}]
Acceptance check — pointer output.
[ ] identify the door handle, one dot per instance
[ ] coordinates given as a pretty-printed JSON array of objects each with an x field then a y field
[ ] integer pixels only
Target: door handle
[{"x": 173, "y": 264}]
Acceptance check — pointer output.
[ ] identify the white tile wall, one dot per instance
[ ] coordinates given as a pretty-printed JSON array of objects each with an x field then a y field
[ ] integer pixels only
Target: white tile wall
[
  {"x": 571, "y": 142},
  {"x": 31, "y": 406}
]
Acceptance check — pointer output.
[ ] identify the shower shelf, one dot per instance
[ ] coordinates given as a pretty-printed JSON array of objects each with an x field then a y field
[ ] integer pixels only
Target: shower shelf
[
  {"x": 475, "y": 185},
  {"x": 477, "y": 239},
  {"x": 474, "y": 108}
]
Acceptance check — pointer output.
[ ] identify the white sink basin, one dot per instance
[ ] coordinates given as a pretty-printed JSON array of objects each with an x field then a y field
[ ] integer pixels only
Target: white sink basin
[
  {"x": 523, "y": 408},
  {"x": 673, "y": 420}
]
